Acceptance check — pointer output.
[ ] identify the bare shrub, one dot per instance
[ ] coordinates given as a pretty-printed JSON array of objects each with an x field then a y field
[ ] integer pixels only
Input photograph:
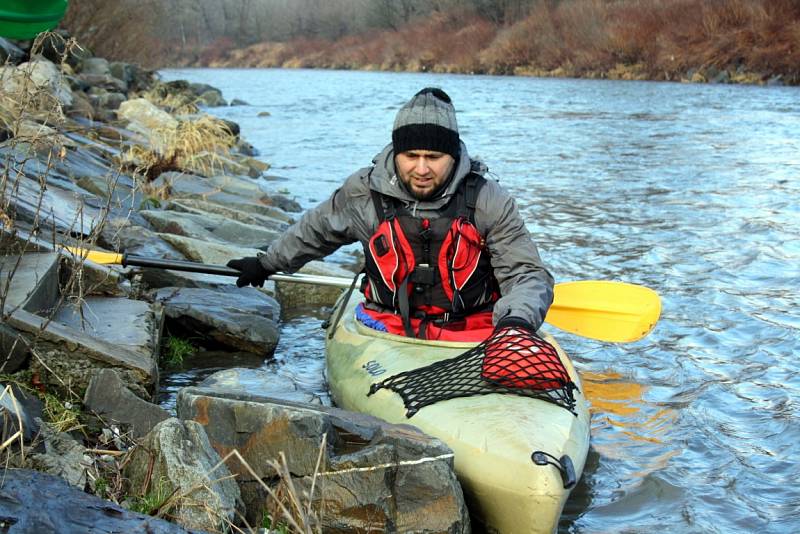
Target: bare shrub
[
  {"x": 216, "y": 51},
  {"x": 121, "y": 30}
]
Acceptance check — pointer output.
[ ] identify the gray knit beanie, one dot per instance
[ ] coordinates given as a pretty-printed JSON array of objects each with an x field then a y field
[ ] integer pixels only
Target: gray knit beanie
[{"x": 427, "y": 122}]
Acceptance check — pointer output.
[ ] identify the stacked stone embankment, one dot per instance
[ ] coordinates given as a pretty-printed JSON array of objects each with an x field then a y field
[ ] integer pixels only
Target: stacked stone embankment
[{"x": 105, "y": 156}]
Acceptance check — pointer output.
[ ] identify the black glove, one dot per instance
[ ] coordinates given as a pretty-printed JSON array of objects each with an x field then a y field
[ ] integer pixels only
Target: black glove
[
  {"x": 509, "y": 321},
  {"x": 253, "y": 273}
]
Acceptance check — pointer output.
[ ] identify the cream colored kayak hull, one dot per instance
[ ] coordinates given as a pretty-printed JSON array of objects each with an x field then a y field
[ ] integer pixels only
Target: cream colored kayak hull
[{"x": 492, "y": 436}]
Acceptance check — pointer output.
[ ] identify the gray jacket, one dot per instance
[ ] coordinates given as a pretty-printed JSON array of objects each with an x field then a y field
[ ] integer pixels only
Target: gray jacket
[{"x": 349, "y": 215}]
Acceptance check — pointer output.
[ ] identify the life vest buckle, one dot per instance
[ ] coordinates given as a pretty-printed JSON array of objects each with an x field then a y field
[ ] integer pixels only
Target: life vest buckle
[{"x": 423, "y": 275}]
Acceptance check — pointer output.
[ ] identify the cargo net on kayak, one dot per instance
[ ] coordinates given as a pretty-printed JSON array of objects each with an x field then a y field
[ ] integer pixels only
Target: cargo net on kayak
[{"x": 509, "y": 361}]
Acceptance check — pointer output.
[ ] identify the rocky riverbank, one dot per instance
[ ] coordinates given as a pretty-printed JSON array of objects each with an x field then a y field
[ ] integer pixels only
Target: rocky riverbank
[{"x": 104, "y": 156}]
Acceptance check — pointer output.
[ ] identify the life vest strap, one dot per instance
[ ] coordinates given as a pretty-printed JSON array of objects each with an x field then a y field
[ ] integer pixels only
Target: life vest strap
[{"x": 404, "y": 306}]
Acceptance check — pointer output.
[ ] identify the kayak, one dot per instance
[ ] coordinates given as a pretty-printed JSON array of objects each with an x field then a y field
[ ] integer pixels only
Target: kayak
[
  {"x": 516, "y": 457},
  {"x": 24, "y": 19}
]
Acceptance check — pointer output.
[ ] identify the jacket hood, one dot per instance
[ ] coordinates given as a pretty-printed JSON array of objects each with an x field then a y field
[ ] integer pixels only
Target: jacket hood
[{"x": 384, "y": 179}]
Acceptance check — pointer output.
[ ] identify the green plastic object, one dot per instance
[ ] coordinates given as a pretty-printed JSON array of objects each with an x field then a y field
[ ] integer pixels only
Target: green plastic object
[{"x": 24, "y": 19}]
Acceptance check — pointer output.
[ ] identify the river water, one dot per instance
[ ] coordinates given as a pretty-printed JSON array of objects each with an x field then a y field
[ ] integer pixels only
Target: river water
[{"x": 691, "y": 190}]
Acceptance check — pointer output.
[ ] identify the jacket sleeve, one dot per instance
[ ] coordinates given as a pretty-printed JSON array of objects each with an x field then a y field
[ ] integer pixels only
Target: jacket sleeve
[
  {"x": 320, "y": 230},
  {"x": 526, "y": 286}
]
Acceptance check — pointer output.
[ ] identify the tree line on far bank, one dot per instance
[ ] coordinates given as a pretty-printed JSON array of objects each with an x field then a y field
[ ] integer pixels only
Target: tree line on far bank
[{"x": 729, "y": 40}]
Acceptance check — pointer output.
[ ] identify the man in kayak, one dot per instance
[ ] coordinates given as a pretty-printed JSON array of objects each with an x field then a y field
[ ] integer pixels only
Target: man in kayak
[{"x": 447, "y": 254}]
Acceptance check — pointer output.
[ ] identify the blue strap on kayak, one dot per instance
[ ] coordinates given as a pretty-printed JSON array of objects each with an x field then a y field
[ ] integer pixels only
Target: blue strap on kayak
[{"x": 364, "y": 318}]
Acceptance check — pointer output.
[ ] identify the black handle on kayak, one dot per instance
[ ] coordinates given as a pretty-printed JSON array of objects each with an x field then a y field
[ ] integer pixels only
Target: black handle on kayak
[
  {"x": 178, "y": 265},
  {"x": 564, "y": 465}
]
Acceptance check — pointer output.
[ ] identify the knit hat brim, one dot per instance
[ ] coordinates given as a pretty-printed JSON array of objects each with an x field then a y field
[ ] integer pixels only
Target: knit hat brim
[{"x": 426, "y": 137}]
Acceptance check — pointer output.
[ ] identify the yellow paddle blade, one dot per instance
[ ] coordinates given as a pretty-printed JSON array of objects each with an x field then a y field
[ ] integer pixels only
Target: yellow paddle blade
[
  {"x": 608, "y": 311},
  {"x": 106, "y": 258}
]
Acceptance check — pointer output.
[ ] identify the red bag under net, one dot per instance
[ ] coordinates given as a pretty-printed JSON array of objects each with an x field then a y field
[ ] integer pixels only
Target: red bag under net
[{"x": 517, "y": 359}]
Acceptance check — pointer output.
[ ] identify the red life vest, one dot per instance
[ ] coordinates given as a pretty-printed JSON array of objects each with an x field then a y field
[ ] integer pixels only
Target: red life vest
[{"x": 437, "y": 270}]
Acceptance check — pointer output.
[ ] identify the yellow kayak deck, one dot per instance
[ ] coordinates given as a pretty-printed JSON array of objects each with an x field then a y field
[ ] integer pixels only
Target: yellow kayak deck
[{"x": 493, "y": 436}]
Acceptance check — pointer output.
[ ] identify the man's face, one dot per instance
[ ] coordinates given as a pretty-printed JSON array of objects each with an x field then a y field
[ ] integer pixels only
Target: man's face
[{"x": 423, "y": 171}]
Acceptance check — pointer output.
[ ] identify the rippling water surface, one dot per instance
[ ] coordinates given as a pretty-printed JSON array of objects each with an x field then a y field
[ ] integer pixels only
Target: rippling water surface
[{"x": 691, "y": 190}]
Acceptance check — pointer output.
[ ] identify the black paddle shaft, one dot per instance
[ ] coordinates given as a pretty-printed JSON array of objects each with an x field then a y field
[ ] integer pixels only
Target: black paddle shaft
[{"x": 178, "y": 265}]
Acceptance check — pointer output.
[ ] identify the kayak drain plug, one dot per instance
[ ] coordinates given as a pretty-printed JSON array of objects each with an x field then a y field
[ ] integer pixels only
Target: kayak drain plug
[{"x": 563, "y": 464}]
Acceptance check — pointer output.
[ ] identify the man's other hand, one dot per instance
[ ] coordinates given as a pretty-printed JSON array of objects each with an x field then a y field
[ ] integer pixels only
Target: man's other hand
[{"x": 253, "y": 273}]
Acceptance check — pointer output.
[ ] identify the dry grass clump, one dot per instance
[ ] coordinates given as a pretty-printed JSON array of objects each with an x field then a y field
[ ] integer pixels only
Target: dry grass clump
[
  {"x": 63, "y": 416},
  {"x": 200, "y": 146},
  {"x": 17, "y": 435},
  {"x": 288, "y": 509}
]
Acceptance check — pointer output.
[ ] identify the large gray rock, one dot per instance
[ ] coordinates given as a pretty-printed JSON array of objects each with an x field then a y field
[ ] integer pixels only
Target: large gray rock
[
  {"x": 285, "y": 203},
  {"x": 81, "y": 106},
  {"x": 14, "y": 350},
  {"x": 66, "y": 355},
  {"x": 258, "y": 382},
  {"x": 51, "y": 206},
  {"x": 205, "y": 252},
  {"x": 102, "y": 81},
  {"x": 106, "y": 99},
  {"x": 67, "y": 359},
  {"x": 212, "y": 98},
  {"x": 133, "y": 325},
  {"x": 158, "y": 278},
  {"x": 63, "y": 457},
  {"x": 178, "y": 456},
  {"x": 295, "y": 295},
  {"x": 219, "y": 189},
  {"x": 270, "y": 217},
  {"x": 239, "y": 186},
  {"x": 88, "y": 167},
  {"x": 35, "y": 76},
  {"x": 32, "y": 502},
  {"x": 94, "y": 65},
  {"x": 40, "y": 135},
  {"x": 374, "y": 476},
  {"x": 19, "y": 410},
  {"x": 120, "y": 234},
  {"x": 29, "y": 282},
  {"x": 208, "y": 226},
  {"x": 108, "y": 397},
  {"x": 244, "y": 318},
  {"x": 146, "y": 114},
  {"x": 137, "y": 78},
  {"x": 256, "y": 167}
]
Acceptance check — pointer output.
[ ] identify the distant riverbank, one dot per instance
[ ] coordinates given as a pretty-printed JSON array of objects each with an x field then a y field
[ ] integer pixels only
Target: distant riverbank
[
  {"x": 728, "y": 41},
  {"x": 688, "y": 40}
]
